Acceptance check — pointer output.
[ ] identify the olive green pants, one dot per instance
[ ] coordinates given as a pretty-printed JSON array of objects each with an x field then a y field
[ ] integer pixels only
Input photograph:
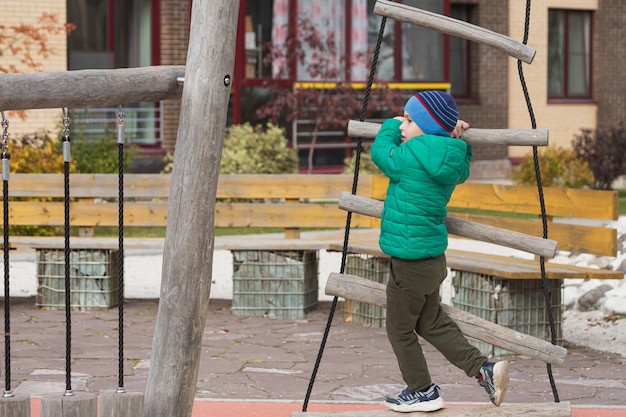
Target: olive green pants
[{"x": 413, "y": 309}]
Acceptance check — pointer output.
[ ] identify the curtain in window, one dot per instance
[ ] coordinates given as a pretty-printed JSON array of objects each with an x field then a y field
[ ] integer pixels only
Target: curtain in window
[
  {"x": 556, "y": 48},
  {"x": 569, "y": 50},
  {"x": 359, "y": 64},
  {"x": 386, "y": 67},
  {"x": 321, "y": 28},
  {"x": 322, "y": 21},
  {"x": 280, "y": 32}
]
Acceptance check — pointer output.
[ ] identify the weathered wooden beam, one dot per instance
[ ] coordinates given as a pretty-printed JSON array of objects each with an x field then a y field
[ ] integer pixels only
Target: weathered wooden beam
[
  {"x": 121, "y": 404},
  {"x": 460, "y": 227},
  {"x": 455, "y": 27},
  {"x": 510, "y": 137},
  {"x": 562, "y": 409},
  {"x": 190, "y": 236},
  {"x": 17, "y": 405},
  {"x": 80, "y": 403},
  {"x": 89, "y": 88},
  {"x": 356, "y": 288}
]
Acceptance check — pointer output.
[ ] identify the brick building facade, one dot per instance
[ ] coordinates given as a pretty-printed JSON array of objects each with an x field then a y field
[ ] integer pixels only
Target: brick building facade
[
  {"x": 28, "y": 13},
  {"x": 496, "y": 99},
  {"x": 609, "y": 60},
  {"x": 175, "y": 15},
  {"x": 488, "y": 107}
]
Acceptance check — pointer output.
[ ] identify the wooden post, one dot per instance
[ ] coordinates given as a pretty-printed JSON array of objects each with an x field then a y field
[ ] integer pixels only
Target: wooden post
[
  {"x": 189, "y": 240},
  {"x": 15, "y": 406},
  {"x": 121, "y": 404},
  {"x": 80, "y": 404}
]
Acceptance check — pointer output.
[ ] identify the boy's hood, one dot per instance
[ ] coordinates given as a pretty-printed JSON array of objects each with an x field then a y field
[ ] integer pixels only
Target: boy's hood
[{"x": 441, "y": 157}]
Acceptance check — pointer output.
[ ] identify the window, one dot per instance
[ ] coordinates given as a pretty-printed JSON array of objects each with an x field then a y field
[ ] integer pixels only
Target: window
[
  {"x": 304, "y": 43},
  {"x": 569, "y": 54},
  {"x": 422, "y": 48},
  {"x": 89, "y": 45},
  {"x": 386, "y": 65},
  {"x": 321, "y": 30},
  {"x": 460, "y": 67},
  {"x": 114, "y": 34},
  {"x": 259, "y": 33},
  {"x": 336, "y": 39}
]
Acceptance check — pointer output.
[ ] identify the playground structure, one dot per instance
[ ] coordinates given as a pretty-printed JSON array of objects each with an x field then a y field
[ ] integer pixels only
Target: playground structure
[{"x": 188, "y": 252}]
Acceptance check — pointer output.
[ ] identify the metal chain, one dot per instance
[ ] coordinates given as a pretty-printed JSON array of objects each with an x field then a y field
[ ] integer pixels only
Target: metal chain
[
  {"x": 120, "y": 272},
  {"x": 5, "y": 149},
  {"x": 121, "y": 125},
  {"x": 68, "y": 314},
  {"x": 66, "y": 128},
  {"x": 5, "y": 134},
  {"x": 7, "y": 299}
]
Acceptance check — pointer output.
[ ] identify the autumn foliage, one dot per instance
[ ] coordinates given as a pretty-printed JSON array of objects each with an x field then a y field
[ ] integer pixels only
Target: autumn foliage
[{"x": 30, "y": 44}]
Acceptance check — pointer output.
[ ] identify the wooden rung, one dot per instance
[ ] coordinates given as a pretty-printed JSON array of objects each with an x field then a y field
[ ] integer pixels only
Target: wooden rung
[
  {"x": 509, "y": 137},
  {"x": 356, "y": 288},
  {"x": 459, "y": 227},
  {"x": 455, "y": 27},
  {"x": 562, "y": 409}
]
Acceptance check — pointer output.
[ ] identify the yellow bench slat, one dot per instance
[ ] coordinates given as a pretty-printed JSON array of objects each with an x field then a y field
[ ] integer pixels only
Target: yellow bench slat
[
  {"x": 311, "y": 215},
  {"x": 24, "y": 213},
  {"x": 570, "y": 237},
  {"x": 315, "y": 215},
  {"x": 560, "y": 202}
]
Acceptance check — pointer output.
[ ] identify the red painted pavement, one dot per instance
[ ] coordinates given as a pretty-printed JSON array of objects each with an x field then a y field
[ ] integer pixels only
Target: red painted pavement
[
  {"x": 279, "y": 409},
  {"x": 284, "y": 409}
]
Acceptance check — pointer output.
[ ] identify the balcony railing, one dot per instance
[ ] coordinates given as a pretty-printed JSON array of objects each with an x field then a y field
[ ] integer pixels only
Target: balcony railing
[{"x": 143, "y": 123}]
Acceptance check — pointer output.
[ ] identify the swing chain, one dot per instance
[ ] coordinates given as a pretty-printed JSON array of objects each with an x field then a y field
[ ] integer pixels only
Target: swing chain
[
  {"x": 5, "y": 135},
  {"x": 121, "y": 125},
  {"x": 66, "y": 137},
  {"x": 5, "y": 155},
  {"x": 66, "y": 126}
]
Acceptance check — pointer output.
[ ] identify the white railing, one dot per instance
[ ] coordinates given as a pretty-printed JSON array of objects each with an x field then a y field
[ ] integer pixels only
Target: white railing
[{"x": 143, "y": 123}]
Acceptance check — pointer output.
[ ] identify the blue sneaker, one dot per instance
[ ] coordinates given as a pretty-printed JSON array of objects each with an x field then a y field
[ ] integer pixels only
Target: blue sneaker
[
  {"x": 408, "y": 401},
  {"x": 494, "y": 378}
]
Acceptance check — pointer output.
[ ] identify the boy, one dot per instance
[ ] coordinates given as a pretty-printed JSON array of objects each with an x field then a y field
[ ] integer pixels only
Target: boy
[{"x": 424, "y": 164}]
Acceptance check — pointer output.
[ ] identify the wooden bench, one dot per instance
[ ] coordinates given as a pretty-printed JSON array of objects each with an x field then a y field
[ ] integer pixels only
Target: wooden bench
[
  {"x": 504, "y": 289},
  {"x": 508, "y": 291},
  {"x": 295, "y": 202}
]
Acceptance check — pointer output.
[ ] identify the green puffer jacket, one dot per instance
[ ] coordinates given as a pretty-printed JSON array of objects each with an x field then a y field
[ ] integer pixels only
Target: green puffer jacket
[{"x": 423, "y": 173}]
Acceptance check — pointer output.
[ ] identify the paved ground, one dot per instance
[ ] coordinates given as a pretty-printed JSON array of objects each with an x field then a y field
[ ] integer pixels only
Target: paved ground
[{"x": 257, "y": 359}]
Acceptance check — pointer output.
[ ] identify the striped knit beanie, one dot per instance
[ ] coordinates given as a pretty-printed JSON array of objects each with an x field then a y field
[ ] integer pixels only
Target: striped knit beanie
[{"x": 435, "y": 112}]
